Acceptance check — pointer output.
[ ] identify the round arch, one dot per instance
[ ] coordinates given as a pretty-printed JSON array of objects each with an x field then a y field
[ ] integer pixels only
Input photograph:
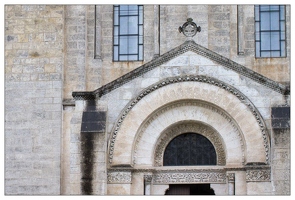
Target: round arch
[
  {"x": 233, "y": 107},
  {"x": 189, "y": 149},
  {"x": 189, "y": 126}
]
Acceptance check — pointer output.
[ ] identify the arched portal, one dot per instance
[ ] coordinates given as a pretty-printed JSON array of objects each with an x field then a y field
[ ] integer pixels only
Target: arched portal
[
  {"x": 205, "y": 106},
  {"x": 191, "y": 98},
  {"x": 189, "y": 149}
]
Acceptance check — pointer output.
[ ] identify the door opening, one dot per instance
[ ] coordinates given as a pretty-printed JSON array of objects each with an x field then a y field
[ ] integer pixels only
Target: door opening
[{"x": 190, "y": 189}]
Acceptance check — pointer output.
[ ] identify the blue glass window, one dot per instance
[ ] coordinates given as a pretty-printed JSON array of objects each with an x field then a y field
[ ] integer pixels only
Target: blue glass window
[
  {"x": 128, "y": 33},
  {"x": 270, "y": 34}
]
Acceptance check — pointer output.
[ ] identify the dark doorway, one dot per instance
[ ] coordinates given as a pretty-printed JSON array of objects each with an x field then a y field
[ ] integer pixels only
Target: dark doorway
[{"x": 192, "y": 189}]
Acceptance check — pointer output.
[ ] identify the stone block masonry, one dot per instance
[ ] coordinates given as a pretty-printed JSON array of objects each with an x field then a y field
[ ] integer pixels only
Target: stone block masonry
[
  {"x": 281, "y": 149},
  {"x": 33, "y": 84}
]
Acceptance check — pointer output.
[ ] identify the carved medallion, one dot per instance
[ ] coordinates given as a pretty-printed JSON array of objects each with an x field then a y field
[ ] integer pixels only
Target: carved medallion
[{"x": 189, "y": 28}]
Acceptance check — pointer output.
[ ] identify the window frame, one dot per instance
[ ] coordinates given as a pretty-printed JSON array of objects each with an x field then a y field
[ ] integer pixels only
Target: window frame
[
  {"x": 258, "y": 41},
  {"x": 140, "y": 37}
]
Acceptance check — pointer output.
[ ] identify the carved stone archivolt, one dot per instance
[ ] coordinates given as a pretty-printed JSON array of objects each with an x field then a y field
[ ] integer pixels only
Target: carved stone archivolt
[
  {"x": 196, "y": 127},
  {"x": 197, "y": 78},
  {"x": 189, "y": 126}
]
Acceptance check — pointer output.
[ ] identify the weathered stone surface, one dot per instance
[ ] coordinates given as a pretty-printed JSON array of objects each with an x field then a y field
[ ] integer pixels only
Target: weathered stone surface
[{"x": 53, "y": 50}]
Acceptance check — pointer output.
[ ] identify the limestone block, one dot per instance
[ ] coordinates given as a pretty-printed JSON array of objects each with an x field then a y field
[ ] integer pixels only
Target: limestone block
[
  {"x": 219, "y": 189},
  {"x": 259, "y": 188},
  {"x": 118, "y": 189},
  {"x": 159, "y": 189},
  {"x": 137, "y": 186},
  {"x": 182, "y": 60}
]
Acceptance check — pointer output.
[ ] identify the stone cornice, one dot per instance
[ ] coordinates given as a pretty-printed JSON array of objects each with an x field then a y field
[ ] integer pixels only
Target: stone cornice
[{"x": 185, "y": 47}]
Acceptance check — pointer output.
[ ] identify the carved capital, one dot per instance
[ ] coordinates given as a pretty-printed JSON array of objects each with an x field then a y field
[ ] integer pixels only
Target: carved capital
[
  {"x": 148, "y": 178},
  {"x": 231, "y": 177}
]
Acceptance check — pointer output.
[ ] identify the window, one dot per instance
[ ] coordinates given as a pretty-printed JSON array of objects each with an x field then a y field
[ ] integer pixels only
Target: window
[
  {"x": 189, "y": 149},
  {"x": 128, "y": 33},
  {"x": 270, "y": 35}
]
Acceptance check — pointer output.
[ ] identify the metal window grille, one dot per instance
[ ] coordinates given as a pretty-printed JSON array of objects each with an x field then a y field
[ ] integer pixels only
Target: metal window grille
[
  {"x": 128, "y": 33},
  {"x": 189, "y": 149},
  {"x": 270, "y": 34}
]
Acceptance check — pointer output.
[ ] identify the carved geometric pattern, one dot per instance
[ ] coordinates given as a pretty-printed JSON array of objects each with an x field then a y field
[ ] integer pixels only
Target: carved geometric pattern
[
  {"x": 189, "y": 149},
  {"x": 190, "y": 177},
  {"x": 197, "y": 78},
  {"x": 178, "y": 129},
  {"x": 119, "y": 177},
  {"x": 194, "y": 47},
  {"x": 257, "y": 175}
]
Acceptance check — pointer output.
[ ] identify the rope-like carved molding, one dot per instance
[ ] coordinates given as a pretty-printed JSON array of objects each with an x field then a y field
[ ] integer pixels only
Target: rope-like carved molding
[
  {"x": 119, "y": 177},
  {"x": 195, "y": 78},
  {"x": 172, "y": 132},
  {"x": 194, "y": 47},
  {"x": 202, "y": 176},
  {"x": 258, "y": 175}
]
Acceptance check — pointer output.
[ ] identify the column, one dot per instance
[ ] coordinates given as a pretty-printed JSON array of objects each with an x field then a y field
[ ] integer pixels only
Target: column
[
  {"x": 231, "y": 184},
  {"x": 147, "y": 184}
]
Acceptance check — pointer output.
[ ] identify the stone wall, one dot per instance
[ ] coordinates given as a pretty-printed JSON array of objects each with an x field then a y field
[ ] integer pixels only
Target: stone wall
[
  {"x": 34, "y": 36},
  {"x": 51, "y": 51},
  {"x": 281, "y": 149}
]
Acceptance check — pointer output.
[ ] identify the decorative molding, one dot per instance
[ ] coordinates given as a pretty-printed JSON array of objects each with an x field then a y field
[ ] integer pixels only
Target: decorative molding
[
  {"x": 196, "y": 78},
  {"x": 119, "y": 177},
  {"x": 202, "y": 176},
  {"x": 83, "y": 96},
  {"x": 169, "y": 134},
  {"x": 258, "y": 175},
  {"x": 198, "y": 49}
]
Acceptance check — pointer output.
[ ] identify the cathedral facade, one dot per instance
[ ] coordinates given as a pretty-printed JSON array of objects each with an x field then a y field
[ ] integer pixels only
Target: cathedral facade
[{"x": 147, "y": 99}]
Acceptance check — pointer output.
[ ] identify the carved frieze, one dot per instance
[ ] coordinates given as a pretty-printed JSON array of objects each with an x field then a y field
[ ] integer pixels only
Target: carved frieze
[
  {"x": 190, "y": 177},
  {"x": 119, "y": 177},
  {"x": 256, "y": 175}
]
